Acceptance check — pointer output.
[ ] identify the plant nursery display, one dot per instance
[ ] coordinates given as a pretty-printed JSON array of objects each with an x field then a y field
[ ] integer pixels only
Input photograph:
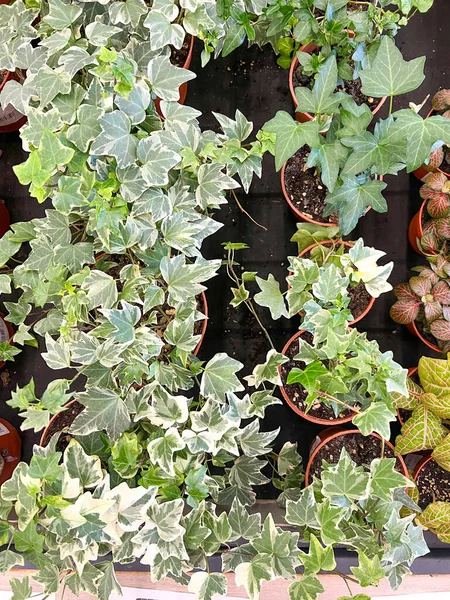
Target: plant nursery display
[{"x": 152, "y": 450}]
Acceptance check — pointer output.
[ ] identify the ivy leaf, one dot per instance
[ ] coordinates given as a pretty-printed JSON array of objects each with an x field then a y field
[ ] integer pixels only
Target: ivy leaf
[
  {"x": 318, "y": 558},
  {"x": 108, "y": 583},
  {"x": 330, "y": 284},
  {"x": 422, "y": 431},
  {"x": 166, "y": 410},
  {"x": 219, "y": 377},
  {"x": 369, "y": 570},
  {"x": 45, "y": 468},
  {"x": 99, "y": 34},
  {"x": 101, "y": 289},
  {"x": 385, "y": 479},
  {"x": 182, "y": 278},
  {"x": 252, "y": 574},
  {"x": 156, "y": 160},
  {"x": 104, "y": 410},
  {"x": 163, "y": 32},
  {"x": 207, "y": 585},
  {"x": 389, "y": 74},
  {"x": 166, "y": 79},
  {"x": 271, "y": 297},
  {"x": 162, "y": 449},
  {"x": 52, "y": 152},
  {"x": 58, "y": 353},
  {"x": 48, "y": 577},
  {"x": 302, "y": 512},
  {"x": 345, "y": 479},
  {"x": 69, "y": 195},
  {"x": 212, "y": 182},
  {"x": 308, "y": 587},
  {"x": 351, "y": 200},
  {"x": 115, "y": 139},
  {"x": 291, "y": 136},
  {"x": 61, "y": 15},
  {"x": 288, "y": 458},
  {"x": 20, "y": 588},
  {"x": 254, "y": 442},
  {"x": 375, "y": 418},
  {"x": 129, "y": 12},
  {"x": 81, "y": 466},
  {"x": 329, "y": 157},
  {"x": 167, "y": 517},
  {"x": 74, "y": 59},
  {"x": 87, "y": 127},
  {"x": 268, "y": 371},
  {"x": 321, "y": 99},
  {"x": 48, "y": 83},
  {"x": 123, "y": 320},
  {"x": 244, "y": 525},
  {"x": 328, "y": 518},
  {"x": 136, "y": 103},
  {"x": 246, "y": 472},
  {"x": 74, "y": 256},
  {"x": 125, "y": 454},
  {"x": 8, "y": 560}
]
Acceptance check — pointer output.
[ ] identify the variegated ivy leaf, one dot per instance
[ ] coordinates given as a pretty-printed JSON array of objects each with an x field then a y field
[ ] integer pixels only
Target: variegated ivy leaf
[
  {"x": 61, "y": 14},
  {"x": 179, "y": 333},
  {"x": 22, "y": 336},
  {"x": 240, "y": 128},
  {"x": 124, "y": 320},
  {"x": 384, "y": 479},
  {"x": 167, "y": 517},
  {"x": 58, "y": 353},
  {"x": 178, "y": 113},
  {"x": 166, "y": 410},
  {"x": 156, "y": 161},
  {"x": 389, "y": 74},
  {"x": 319, "y": 558},
  {"x": 38, "y": 122},
  {"x": 268, "y": 371},
  {"x": 8, "y": 560},
  {"x": 166, "y": 79},
  {"x": 16, "y": 95},
  {"x": 68, "y": 196},
  {"x": 30, "y": 59},
  {"x": 246, "y": 472},
  {"x": 104, "y": 410},
  {"x": 87, "y": 127},
  {"x": 5, "y": 284},
  {"x": 163, "y": 32},
  {"x": 183, "y": 278},
  {"x": 74, "y": 59},
  {"x": 99, "y": 34},
  {"x": 207, "y": 585},
  {"x": 329, "y": 518},
  {"x": 48, "y": 83},
  {"x": 57, "y": 41},
  {"x": 67, "y": 104},
  {"x": 369, "y": 570},
  {"x": 74, "y": 256},
  {"x": 115, "y": 139},
  {"x": 271, "y": 297},
  {"x": 107, "y": 584},
  {"x": 161, "y": 450},
  {"x": 255, "y": 442},
  {"x": 219, "y": 377},
  {"x": 251, "y": 575},
  {"x": 136, "y": 103},
  {"x": 345, "y": 479},
  {"x": 436, "y": 517},
  {"x": 422, "y": 431},
  {"x": 8, "y": 247},
  {"x": 308, "y": 587},
  {"x": 101, "y": 289},
  {"x": 128, "y": 12},
  {"x": 288, "y": 458},
  {"x": 81, "y": 466},
  {"x": 375, "y": 418},
  {"x": 242, "y": 523},
  {"x": 210, "y": 418},
  {"x": 212, "y": 182}
]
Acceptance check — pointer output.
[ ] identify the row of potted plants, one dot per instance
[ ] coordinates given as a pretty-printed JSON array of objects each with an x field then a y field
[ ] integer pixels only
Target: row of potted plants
[{"x": 112, "y": 279}]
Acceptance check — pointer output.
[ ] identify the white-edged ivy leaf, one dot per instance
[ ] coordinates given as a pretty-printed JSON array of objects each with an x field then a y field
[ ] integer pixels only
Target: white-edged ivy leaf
[
  {"x": 207, "y": 585},
  {"x": 219, "y": 377},
  {"x": 87, "y": 127},
  {"x": 115, "y": 139},
  {"x": 162, "y": 449},
  {"x": 271, "y": 297},
  {"x": 166, "y": 79},
  {"x": 375, "y": 418},
  {"x": 104, "y": 410},
  {"x": 61, "y": 15}
]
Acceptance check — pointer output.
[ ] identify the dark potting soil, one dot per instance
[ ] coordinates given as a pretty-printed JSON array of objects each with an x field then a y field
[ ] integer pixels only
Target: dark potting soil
[
  {"x": 62, "y": 422},
  {"x": 297, "y": 392},
  {"x": 433, "y": 483},
  {"x": 179, "y": 57},
  {"x": 352, "y": 88},
  {"x": 445, "y": 165},
  {"x": 305, "y": 188},
  {"x": 426, "y": 334},
  {"x": 404, "y": 414},
  {"x": 359, "y": 299},
  {"x": 362, "y": 451}
]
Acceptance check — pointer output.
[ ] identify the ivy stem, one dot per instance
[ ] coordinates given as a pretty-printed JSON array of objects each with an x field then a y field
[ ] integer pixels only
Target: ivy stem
[
  {"x": 233, "y": 193},
  {"x": 391, "y": 103}
]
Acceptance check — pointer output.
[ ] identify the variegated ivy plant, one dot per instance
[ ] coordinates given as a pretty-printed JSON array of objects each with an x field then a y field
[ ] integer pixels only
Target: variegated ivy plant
[
  {"x": 349, "y": 158},
  {"x": 70, "y": 514},
  {"x": 344, "y": 370}
]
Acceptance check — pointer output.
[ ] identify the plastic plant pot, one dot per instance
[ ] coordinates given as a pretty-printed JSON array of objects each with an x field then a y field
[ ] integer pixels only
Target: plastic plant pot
[
  {"x": 415, "y": 230},
  {"x": 413, "y": 329},
  {"x": 10, "y": 448},
  {"x": 333, "y": 432},
  {"x": 10, "y": 118}
]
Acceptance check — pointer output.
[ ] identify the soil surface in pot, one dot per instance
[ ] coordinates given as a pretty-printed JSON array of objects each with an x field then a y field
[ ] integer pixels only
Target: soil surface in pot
[
  {"x": 433, "y": 483},
  {"x": 305, "y": 189},
  {"x": 362, "y": 450},
  {"x": 426, "y": 334},
  {"x": 63, "y": 421},
  {"x": 179, "y": 57},
  {"x": 297, "y": 392},
  {"x": 352, "y": 88},
  {"x": 445, "y": 165}
]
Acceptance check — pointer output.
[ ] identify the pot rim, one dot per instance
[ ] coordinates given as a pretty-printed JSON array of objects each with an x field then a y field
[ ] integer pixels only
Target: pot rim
[
  {"x": 413, "y": 329},
  {"x": 52, "y": 420},
  {"x": 336, "y": 434},
  {"x": 421, "y": 464},
  {"x": 295, "y": 408}
]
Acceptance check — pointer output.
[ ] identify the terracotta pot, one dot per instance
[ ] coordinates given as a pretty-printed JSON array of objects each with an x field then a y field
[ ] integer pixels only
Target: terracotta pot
[
  {"x": 347, "y": 245},
  {"x": 410, "y": 374},
  {"x": 303, "y": 117},
  {"x": 413, "y": 329},
  {"x": 415, "y": 229},
  {"x": 6, "y": 333},
  {"x": 299, "y": 215},
  {"x": 424, "y": 170},
  {"x": 184, "y": 86},
  {"x": 11, "y": 445},
  {"x": 52, "y": 420},
  {"x": 420, "y": 465},
  {"x": 10, "y": 118},
  {"x": 333, "y": 432},
  {"x": 295, "y": 408},
  {"x": 5, "y": 219}
]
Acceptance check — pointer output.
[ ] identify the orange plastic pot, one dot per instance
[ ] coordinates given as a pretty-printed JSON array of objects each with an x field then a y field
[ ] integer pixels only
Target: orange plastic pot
[
  {"x": 415, "y": 230},
  {"x": 295, "y": 408},
  {"x": 10, "y": 447},
  {"x": 420, "y": 465},
  {"x": 333, "y": 432},
  {"x": 10, "y": 118},
  {"x": 413, "y": 329},
  {"x": 184, "y": 86},
  {"x": 347, "y": 245},
  {"x": 303, "y": 117},
  {"x": 425, "y": 170},
  {"x": 411, "y": 372},
  {"x": 6, "y": 333},
  {"x": 52, "y": 420}
]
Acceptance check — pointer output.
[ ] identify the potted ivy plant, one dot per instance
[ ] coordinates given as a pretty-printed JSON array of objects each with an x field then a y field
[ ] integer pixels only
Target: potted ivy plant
[{"x": 422, "y": 303}]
